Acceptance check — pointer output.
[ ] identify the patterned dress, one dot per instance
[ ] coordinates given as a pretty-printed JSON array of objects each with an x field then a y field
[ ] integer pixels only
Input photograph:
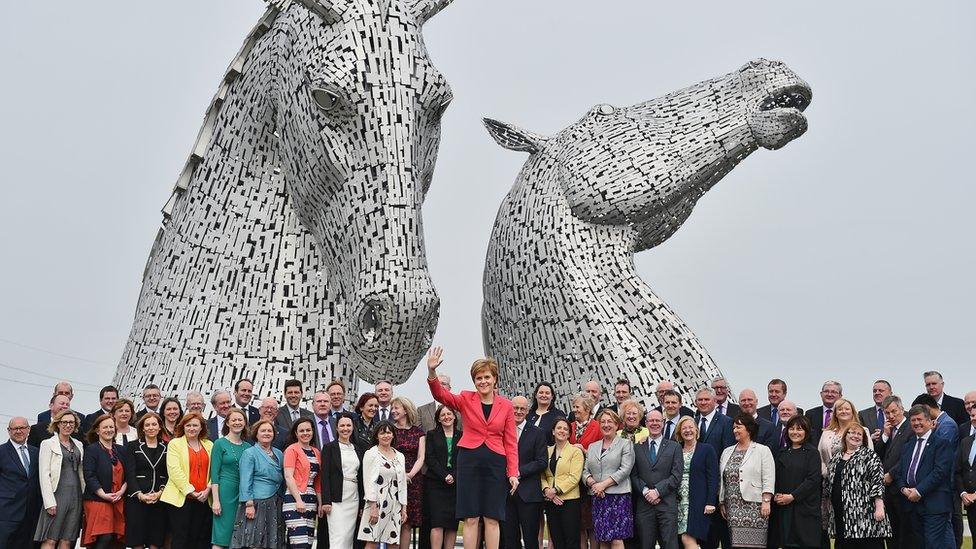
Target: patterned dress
[
  {"x": 746, "y": 525},
  {"x": 683, "y": 494},
  {"x": 300, "y": 527},
  {"x": 383, "y": 483},
  {"x": 408, "y": 444}
]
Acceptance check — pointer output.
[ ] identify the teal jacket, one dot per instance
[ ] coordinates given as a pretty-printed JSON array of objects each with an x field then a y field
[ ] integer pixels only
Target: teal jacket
[{"x": 261, "y": 477}]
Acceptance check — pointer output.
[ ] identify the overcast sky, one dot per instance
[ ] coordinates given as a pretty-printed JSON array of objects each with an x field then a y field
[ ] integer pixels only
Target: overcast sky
[{"x": 846, "y": 255}]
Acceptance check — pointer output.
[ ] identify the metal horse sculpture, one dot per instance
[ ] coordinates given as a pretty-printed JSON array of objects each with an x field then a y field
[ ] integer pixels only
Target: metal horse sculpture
[
  {"x": 562, "y": 299},
  {"x": 293, "y": 244}
]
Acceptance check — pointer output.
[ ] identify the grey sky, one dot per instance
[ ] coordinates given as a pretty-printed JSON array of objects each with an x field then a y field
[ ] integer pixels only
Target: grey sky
[{"x": 845, "y": 255}]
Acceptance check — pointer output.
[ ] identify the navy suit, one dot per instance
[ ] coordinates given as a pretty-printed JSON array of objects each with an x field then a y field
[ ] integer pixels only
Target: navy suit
[
  {"x": 524, "y": 508},
  {"x": 931, "y": 515},
  {"x": 768, "y": 434},
  {"x": 20, "y": 497},
  {"x": 718, "y": 433},
  {"x": 212, "y": 433}
]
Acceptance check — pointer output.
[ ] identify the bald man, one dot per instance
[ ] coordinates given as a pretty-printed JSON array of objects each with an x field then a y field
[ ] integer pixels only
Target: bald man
[
  {"x": 787, "y": 410},
  {"x": 749, "y": 404},
  {"x": 524, "y": 507},
  {"x": 20, "y": 492}
]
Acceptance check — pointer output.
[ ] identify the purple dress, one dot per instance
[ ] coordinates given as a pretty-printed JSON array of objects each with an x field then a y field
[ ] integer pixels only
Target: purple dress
[{"x": 408, "y": 444}]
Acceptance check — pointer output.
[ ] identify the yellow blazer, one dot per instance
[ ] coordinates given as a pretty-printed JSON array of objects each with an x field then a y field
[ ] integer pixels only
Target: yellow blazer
[
  {"x": 178, "y": 466},
  {"x": 569, "y": 469}
]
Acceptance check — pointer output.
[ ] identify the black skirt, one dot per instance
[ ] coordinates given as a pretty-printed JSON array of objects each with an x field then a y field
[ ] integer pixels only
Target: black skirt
[
  {"x": 145, "y": 524},
  {"x": 483, "y": 487},
  {"x": 440, "y": 498}
]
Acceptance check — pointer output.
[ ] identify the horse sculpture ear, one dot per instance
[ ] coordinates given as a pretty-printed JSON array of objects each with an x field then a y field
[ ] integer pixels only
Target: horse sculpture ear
[
  {"x": 423, "y": 10},
  {"x": 514, "y": 138}
]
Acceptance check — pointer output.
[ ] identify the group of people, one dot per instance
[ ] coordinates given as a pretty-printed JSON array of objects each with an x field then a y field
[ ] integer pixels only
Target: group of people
[{"x": 510, "y": 471}]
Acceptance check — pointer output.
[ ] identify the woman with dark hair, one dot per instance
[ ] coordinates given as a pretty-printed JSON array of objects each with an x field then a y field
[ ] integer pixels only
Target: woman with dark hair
[
  {"x": 303, "y": 499},
  {"x": 796, "y": 519},
  {"x": 698, "y": 499},
  {"x": 62, "y": 482},
  {"x": 187, "y": 489},
  {"x": 441, "y": 485},
  {"x": 123, "y": 412},
  {"x": 366, "y": 408},
  {"x": 543, "y": 414},
  {"x": 105, "y": 464},
  {"x": 343, "y": 472},
  {"x": 746, "y": 491},
  {"x": 171, "y": 411},
  {"x": 145, "y": 517},
  {"x": 488, "y": 449},
  {"x": 225, "y": 474},
  {"x": 561, "y": 488},
  {"x": 854, "y": 485},
  {"x": 385, "y": 490}
]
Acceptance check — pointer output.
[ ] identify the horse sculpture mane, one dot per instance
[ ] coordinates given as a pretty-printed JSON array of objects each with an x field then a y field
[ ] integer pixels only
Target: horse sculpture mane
[
  {"x": 563, "y": 301},
  {"x": 292, "y": 243}
]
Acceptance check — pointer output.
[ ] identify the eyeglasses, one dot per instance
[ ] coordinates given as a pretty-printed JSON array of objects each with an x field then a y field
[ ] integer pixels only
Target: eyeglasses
[{"x": 23, "y": 428}]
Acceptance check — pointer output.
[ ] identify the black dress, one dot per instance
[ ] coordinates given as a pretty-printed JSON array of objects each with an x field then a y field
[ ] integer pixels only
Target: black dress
[
  {"x": 145, "y": 524},
  {"x": 439, "y": 496},
  {"x": 798, "y": 473}
]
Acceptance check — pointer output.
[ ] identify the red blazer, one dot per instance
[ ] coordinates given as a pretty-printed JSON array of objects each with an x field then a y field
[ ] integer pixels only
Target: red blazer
[
  {"x": 498, "y": 433},
  {"x": 591, "y": 434}
]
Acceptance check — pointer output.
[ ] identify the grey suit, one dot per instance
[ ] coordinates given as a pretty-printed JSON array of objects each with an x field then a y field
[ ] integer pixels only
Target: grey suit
[
  {"x": 284, "y": 420},
  {"x": 616, "y": 462},
  {"x": 657, "y": 523},
  {"x": 425, "y": 415}
]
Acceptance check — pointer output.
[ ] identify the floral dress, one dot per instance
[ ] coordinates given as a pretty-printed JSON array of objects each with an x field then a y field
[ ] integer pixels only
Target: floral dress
[
  {"x": 383, "y": 483},
  {"x": 746, "y": 525},
  {"x": 683, "y": 494},
  {"x": 408, "y": 444}
]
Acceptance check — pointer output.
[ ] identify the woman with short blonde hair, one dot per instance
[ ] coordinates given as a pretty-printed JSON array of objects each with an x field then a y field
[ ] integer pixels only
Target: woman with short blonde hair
[{"x": 61, "y": 476}]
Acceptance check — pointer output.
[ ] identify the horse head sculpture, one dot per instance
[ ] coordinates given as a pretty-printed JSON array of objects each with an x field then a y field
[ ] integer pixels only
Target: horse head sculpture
[
  {"x": 295, "y": 235},
  {"x": 563, "y": 300}
]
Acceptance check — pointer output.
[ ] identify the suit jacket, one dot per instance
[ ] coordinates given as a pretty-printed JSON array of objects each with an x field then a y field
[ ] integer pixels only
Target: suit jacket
[
  {"x": 317, "y": 437},
  {"x": 766, "y": 412},
  {"x": 98, "y": 468},
  {"x": 49, "y": 458},
  {"x": 757, "y": 473},
  {"x": 948, "y": 429},
  {"x": 532, "y": 461},
  {"x": 178, "y": 468},
  {"x": 955, "y": 407},
  {"x": 212, "y": 432},
  {"x": 20, "y": 491},
  {"x": 435, "y": 454},
  {"x": 284, "y": 416},
  {"x": 44, "y": 417},
  {"x": 664, "y": 475},
  {"x": 616, "y": 462},
  {"x": 683, "y": 411},
  {"x": 89, "y": 420},
  {"x": 869, "y": 419},
  {"x": 718, "y": 433},
  {"x": 545, "y": 422},
  {"x": 933, "y": 475},
  {"x": 965, "y": 429},
  {"x": 768, "y": 435},
  {"x": 891, "y": 456},
  {"x": 332, "y": 458},
  {"x": 731, "y": 409},
  {"x": 569, "y": 470},
  {"x": 38, "y": 434},
  {"x": 815, "y": 415},
  {"x": 497, "y": 432},
  {"x": 253, "y": 415},
  {"x": 965, "y": 472},
  {"x": 145, "y": 476},
  {"x": 703, "y": 481}
]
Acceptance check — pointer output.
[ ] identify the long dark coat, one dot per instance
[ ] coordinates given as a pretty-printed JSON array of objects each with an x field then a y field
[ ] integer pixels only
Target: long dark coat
[
  {"x": 703, "y": 479},
  {"x": 798, "y": 474}
]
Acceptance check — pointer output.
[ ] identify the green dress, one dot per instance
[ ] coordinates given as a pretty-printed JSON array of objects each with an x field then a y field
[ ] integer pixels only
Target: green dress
[{"x": 225, "y": 470}]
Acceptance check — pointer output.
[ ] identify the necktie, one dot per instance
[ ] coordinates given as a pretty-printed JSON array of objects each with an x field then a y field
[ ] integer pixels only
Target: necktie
[
  {"x": 972, "y": 457},
  {"x": 881, "y": 420},
  {"x": 782, "y": 438},
  {"x": 518, "y": 433},
  {"x": 913, "y": 467},
  {"x": 26, "y": 459},
  {"x": 294, "y": 415},
  {"x": 721, "y": 408},
  {"x": 774, "y": 415},
  {"x": 324, "y": 428},
  {"x": 827, "y": 412},
  {"x": 668, "y": 427},
  {"x": 701, "y": 429},
  {"x": 383, "y": 414},
  {"x": 652, "y": 451}
]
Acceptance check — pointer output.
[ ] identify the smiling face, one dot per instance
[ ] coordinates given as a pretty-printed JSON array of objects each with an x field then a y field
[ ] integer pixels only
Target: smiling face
[
  {"x": 337, "y": 395},
  {"x": 244, "y": 393},
  {"x": 844, "y": 411},
  {"x": 192, "y": 429},
  {"x": 265, "y": 434},
  {"x": 484, "y": 382},
  {"x": 359, "y": 144},
  {"x": 123, "y": 414},
  {"x": 269, "y": 409},
  {"x": 543, "y": 395},
  {"x": 672, "y": 405},
  {"x": 632, "y": 417},
  {"x": 106, "y": 430},
  {"x": 151, "y": 428},
  {"x": 608, "y": 426},
  {"x": 236, "y": 422},
  {"x": 384, "y": 393},
  {"x": 829, "y": 394},
  {"x": 748, "y": 401},
  {"x": 775, "y": 393},
  {"x": 560, "y": 431},
  {"x": 344, "y": 427},
  {"x": 151, "y": 398},
  {"x": 384, "y": 438},
  {"x": 108, "y": 399},
  {"x": 654, "y": 423},
  {"x": 921, "y": 423},
  {"x": 520, "y": 406},
  {"x": 797, "y": 435},
  {"x": 370, "y": 408},
  {"x": 854, "y": 438},
  {"x": 171, "y": 412},
  {"x": 446, "y": 418},
  {"x": 621, "y": 392},
  {"x": 688, "y": 432},
  {"x": 705, "y": 401},
  {"x": 304, "y": 433}
]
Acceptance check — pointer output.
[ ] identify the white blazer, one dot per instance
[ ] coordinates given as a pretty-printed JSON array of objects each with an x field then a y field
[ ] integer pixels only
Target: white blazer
[
  {"x": 49, "y": 468},
  {"x": 757, "y": 473}
]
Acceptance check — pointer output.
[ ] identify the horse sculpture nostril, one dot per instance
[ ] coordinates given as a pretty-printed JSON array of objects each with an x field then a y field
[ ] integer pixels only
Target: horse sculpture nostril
[{"x": 369, "y": 324}]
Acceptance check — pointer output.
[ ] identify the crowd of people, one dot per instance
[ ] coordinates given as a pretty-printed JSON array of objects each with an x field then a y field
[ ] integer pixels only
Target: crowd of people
[{"x": 511, "y": 470}]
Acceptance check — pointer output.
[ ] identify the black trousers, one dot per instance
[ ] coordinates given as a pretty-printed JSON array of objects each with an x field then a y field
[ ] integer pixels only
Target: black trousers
[
  {"x": 322, "y": 533},
  {"x": 17, "y": 534},
  {"x": 521, "y": 526},
  {"x": 564, "y": 523},
  {"x": 191, "y": 524}
]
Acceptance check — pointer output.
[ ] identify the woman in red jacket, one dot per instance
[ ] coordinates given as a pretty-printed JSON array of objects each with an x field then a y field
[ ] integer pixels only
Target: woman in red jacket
[{"x": 487, "y": 451}]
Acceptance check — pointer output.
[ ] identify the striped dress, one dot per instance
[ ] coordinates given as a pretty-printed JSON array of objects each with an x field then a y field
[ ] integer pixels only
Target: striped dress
[{"x": 300, "y": 527}]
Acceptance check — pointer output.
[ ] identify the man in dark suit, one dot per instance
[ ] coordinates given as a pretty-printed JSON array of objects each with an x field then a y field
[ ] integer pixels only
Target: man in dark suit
[
  {"x": 292, "y": 409},
  {"x": 655, "y": 481},
  {"x": 38, "y": 431},
  {"x": 955, "y": 407},
  {"x": 767, "y": 435},
  {"x": 776, "y": 393},
  {"x": 524, "y": 507},
  {"x": 896, "y": 433},
  {"x": 873, "y": 418},
  {"x": 924, "y": 480},
  {"x": 621, "y": 392},
  {"x": 152, "y": 400},
  {"x": 323, "y": 433},
  {"x": 968, "y": 427},
  {"x": 20, "y": 492},
  {"x": 107, "y": 397},
  {"x": 243, "y": 395},
  {"x": 673, "y": 411},
  {"x": 222, "y": 403},
  {"x": 713, "y": 428},
  {"x": 965, "y": 484},
  {"x": 61, "y": 388},
  {"x": 820, "y": 416},
  {"x": 663, "y": 389},
  {"x": 269, "y": 411},
  {"x": 721, "y": 388},
  {"x": 787, "y": 410}
]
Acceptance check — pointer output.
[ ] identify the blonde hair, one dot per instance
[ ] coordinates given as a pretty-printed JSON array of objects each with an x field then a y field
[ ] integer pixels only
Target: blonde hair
[
  {"x": 853, "y": 427},
  {"x": 408, "y": 407},
  {"x": 628, "y": 404},
  {"x": 834, "y": 424},
  {"x": 677, "y": 429},
  {"x": 587, "y": 400},
  {"x": 56, "y": 419},
  {"x": 608, "y": 412}
]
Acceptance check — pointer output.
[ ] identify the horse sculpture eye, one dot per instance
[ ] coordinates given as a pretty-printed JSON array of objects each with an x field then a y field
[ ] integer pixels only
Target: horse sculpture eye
[{"x": 325, "y": 99}]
